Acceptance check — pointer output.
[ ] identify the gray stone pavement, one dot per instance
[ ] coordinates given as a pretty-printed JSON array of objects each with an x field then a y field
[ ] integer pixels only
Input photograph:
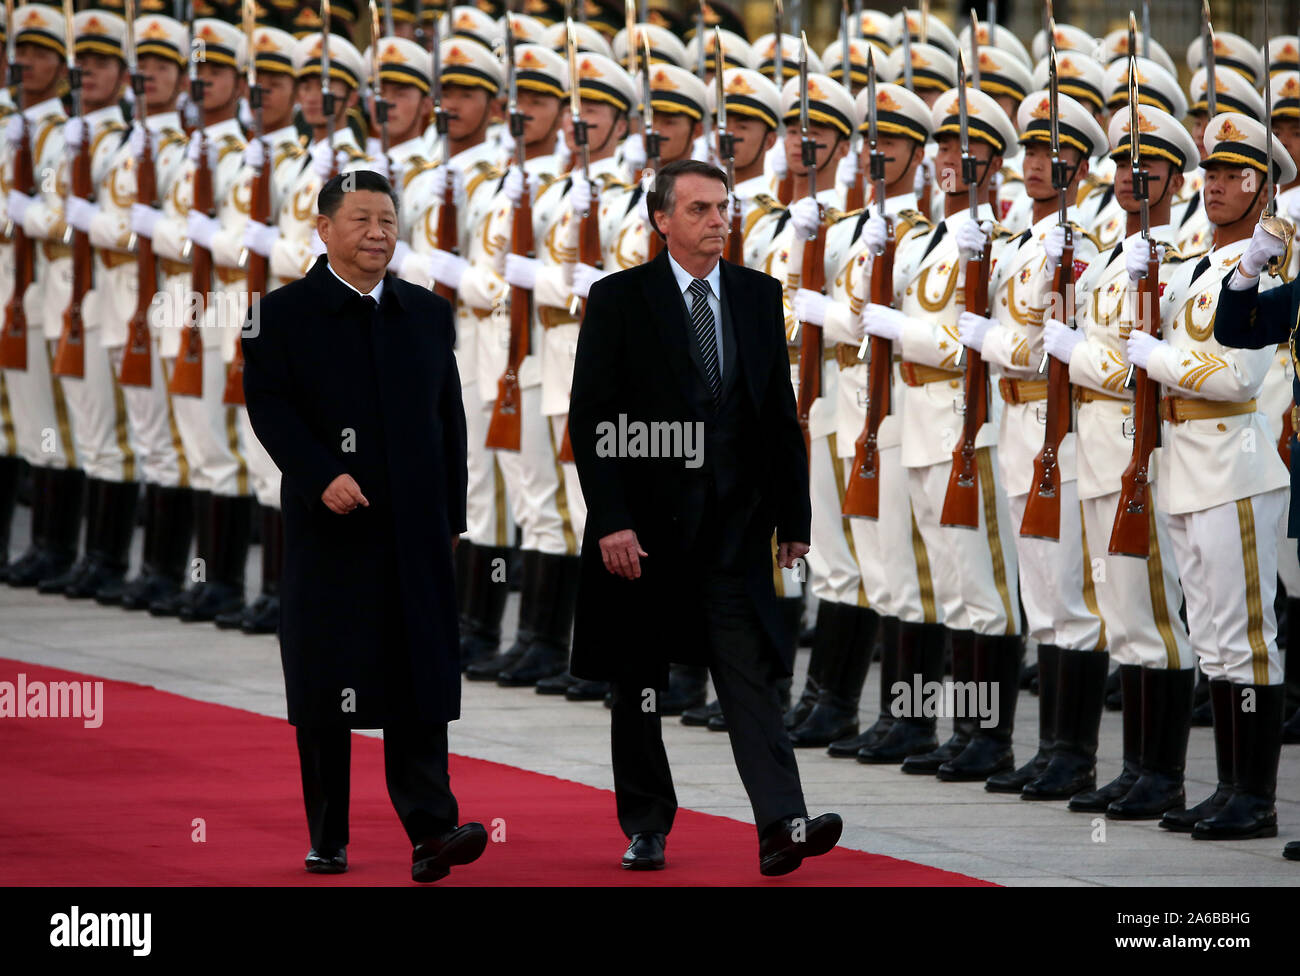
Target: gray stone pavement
[{"x": 955, "y": 826}]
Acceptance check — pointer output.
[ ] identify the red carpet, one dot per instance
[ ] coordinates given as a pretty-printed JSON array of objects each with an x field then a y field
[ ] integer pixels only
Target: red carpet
[{"x": 115, "y": 805}]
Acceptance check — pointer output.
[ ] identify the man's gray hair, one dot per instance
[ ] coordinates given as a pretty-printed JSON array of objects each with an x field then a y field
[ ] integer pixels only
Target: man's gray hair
[{"x": 663, "y": 195}]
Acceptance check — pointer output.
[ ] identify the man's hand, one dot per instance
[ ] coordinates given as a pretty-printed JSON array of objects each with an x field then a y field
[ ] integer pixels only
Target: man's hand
[
  {"x": 621, "y": 552},
  {"x": 343, "y": 495},
  {"x": 788, "y": 553}
]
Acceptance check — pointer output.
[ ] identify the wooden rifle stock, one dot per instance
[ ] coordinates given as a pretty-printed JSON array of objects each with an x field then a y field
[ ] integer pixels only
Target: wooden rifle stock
[
  {"x": 447, "y": 240},
  {"x": 259, "y": 209},
  {"x": 137, "y": 358},
  {"x": 1131, "y": 534},
  {"x": 588, "y": 253},
  {"x": 504, "y": 429},
  {"x": 961, "y": 505},
  {"x": 70, "y": 359},
  {"x": 785, "y": 189},
  {"x": 187, "y": 375},
  {"x": 1042, "y": 518},
  {"x": 862, "y": 497},
  {"x": 13, "y": 340},
  {"x": 855, "y": 198},
  {"x": 813, "y": 277},
  {"x": 736, "y": 236}
]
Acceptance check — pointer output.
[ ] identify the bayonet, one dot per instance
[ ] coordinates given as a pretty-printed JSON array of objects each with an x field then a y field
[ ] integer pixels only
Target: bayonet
[
  {"x": 388, "y": 20},
  {"x": 778, "y": 64},
  {"x": 1146, "y": 29},
  {"x": 907, "y": 54},
  {"x": 974, "y": 53},
  {"x": 1269, "y": 219},
  {"x": 1207, "y": 55},
  {"x": 326, "y": 94}
]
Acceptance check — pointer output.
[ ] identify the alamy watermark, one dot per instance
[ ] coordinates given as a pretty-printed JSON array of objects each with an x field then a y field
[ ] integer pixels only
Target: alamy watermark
[{"x": 655, "y": 439}]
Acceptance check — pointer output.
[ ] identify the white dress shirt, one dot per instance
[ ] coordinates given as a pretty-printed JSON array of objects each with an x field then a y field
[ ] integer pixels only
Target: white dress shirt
[
  {"x": 714, "y": 279},
  {"x": 374, "y": 293}
]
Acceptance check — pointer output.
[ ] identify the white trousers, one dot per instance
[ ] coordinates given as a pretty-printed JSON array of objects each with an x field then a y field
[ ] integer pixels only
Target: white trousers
[
  {"x": 210, "y": 433},
  {"x": 1056, "y": 587},
  {"x": 535, "y": 481},
  {"x": 974, "y": 570},
  {"x": 159, "y": 454},
  {"x": 1138, "y": 598},
  {"x": 572, "y": 486},
  {"x": 262, "y": 472},
  {"x": 40, "y": 413},
  {"x": 97, "y": 413},
  {"x": 831, "y": 560},
  {"x": 487, "y": 520},
  {"x": 1228, "y": 559}
]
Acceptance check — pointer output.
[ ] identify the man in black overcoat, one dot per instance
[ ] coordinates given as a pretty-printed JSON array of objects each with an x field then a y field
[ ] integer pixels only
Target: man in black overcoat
[
  {"x": 352, "y": 387},
  {"x": 683, "y": 426}
]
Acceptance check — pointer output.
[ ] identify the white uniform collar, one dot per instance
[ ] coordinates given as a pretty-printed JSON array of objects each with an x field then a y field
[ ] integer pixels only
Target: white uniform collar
[
  {"x": 227, "y": 127},
  {"x": 752, "y": 187},
  {"x": 102, "y": 116},
  {"x": 163, "y": 121},
  {"x": 286, "y": 133},
  {"x": 41, "y": 109}
]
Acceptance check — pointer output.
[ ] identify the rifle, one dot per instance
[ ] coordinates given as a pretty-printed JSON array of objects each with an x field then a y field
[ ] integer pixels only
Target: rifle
[
  {"x": 589, "y": 230},
  {"x": 862, "y": 497},
  {"x": 13, "y": 339},
  {"x": 1131, "y": 533},
  {"x": 961, "y": 503},
  {"x": 727, "y": 152},
  {"x": 785, "y": 188},
  {"x": 854, "y": 199},
  {"x": 137, "y": 357},
  {"x": 653, "y": 242},
  {"x": 503, "y": 432},
  {"x": 187, "y": 376},
  {"x": 1042, "y": 518},
  {"x": 381, "y": 104},
  {"x": 923, "y": 202},
  {"x": 259, "y": 209},
  {"x": 70, "y": 359},
  {"x": 326, "y": 94},
  {"x": 447, "y": 215},
  {"x": 813, "y": 272}
]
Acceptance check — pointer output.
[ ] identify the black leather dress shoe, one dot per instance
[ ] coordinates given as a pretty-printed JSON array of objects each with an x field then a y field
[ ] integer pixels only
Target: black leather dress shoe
[
  {"x": 645, "y": 853},
  {"x": 584, "y": 690},
  {"x": 330, "y": 862},
  {"x": 1292, "y": 851},
  {"x": 434, "y": 857},
  {"x": 785, "y": 844},
  {"x": 700, "y": 714}
]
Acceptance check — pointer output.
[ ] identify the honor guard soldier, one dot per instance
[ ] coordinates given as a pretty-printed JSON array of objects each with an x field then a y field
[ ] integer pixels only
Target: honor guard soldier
[
  {"x": 40, "y": 413},
  {"x": 973, "y": 557},
  {"x": 1005, "y": 78},
  {"x": 589, "y": 39},
  {"x": 274, "y": 143},
  {"x": 891, "y": 556},
  {"x": 1055, "y": 577},
  {"x": 1138, "y": 598},
  {"x": 927, "y": 72},
  {"x": 1216, "y": 489},
  {"x": 1067, "y": 37},
  {"x": 1114, "y": 49},
  {"x": 736, "y": 53}
]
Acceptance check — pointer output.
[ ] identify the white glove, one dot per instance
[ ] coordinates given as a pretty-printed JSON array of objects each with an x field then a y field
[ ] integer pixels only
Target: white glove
[
  {"x": 440, "y": 177},
  {"x": 79, "y": 213},
  {"x": 507, "y": 142},
  {"x": 1059, "y": 339},
  {"x": 14, "y": 131},
  {"x": 379, "y": 164},
  {"x": 643, "y": 212},
  {"x": 136, "y": 141},
  {"x": 846, "y": 170},
  {"x": 514, "y": 186},
  {"x": 1140, "y": 347},
  {"x": 260, "y": 238},
  {"x": 584, "y": 276},
  {"x": 192, "y": 150},
  {"x": 971, "y": 240},
  {"x": 562, "y": 155},
  {"x": 779, "y": 165},
  {"x": 805, "y": 215},
  {"x": 971, "y": 330},
  {"x": 700, "y": 151},
  {"x": 810, "y": 306},
  {"x": 128, "y": 95},
  {"x": 1293, "y": 208},
  {"x": 883, "y": 321},
  {"x": 74, "y": 132},
  {"x": 1262, "y": 246},
  {"x": 246, "y": 115},
  {"x": 446, "y": 268},
  {"x": 921, "y": 178},
  {"x": 18, "y": 203},
  {"x": 374, "y": 146},
  {"x": 874, "y": 234},
  {"x": 521, "y": 271},
  {"x": 401, "y": 251},
  {"x": 200, "y": 228},
  {"x": 1054, "y": 247},
  {"x": 634, "y": 153},
  {"x": 580, "y": 196},
  {"x": 317, "y": 245},
  {"x": 144, "y": 218},
  {"x": 396, "y": 171},
  {"x": 253, "y": 154},
  {"x": 321, "y": 161},
  {"x": 1136, "y": 255}
]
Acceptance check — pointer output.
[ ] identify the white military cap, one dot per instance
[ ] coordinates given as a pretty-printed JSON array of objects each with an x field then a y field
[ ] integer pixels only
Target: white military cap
[
  {"x": 539, "y": 69},
  {"x": 601, "y": 79},
  {"x": 765, "y": 56},
  {"x": 985, "y": 119},
  {"x": 1286, "y": 94},
  {"x": 750, "y": 94},
  {"x": 273, "y": 50},
  {"x": 833, "y": 57},
  {"x": 225, "y": 44},
  {"x": 828, "y": 103},
  {"x": 1160, "y": 136},
  {"x": 1230, "y": 51},
  {"x": 1076, "y": 124},
  {"x": 878, "y": 29},
  {"x": 466, "y": 62},
  {"x": 937, "y": 32},
  {"x": 98, "y": 32},
  {"x": 474, "y": 24},
  {"x": 674, "y": 89},
  {"x": 1003, "y": 40},
  {"x": 1232, "y": 93},
  {"x": 164, "y": 37},
  {"x": 1241, "y": 140},
  {"x": 1156, "y": 87},
  {"x": 1078, "y": 76},
  {"x": 345, "y": 59},
  {"x": 404, "y": 62},
  {"x": 38, "y": 24},
  {"x": 1002, "y": 73},
  {"x": 1114, "y": 46},
  {"x": 665, "y": 48},
  {"x": 1282, "y": 53},
  {"x": 932, "y": 68},
  {"x": 527, "y": 30},
  {"x": 736, "y": 51},
  {"x": 1068, "y": 38},
  {"x": 587, "y": 39},
  {"x": 899, "y": 112}
]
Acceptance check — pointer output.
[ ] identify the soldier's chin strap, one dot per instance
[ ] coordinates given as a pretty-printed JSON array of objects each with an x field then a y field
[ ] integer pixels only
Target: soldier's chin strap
[{"x": 1253, "y": 200}]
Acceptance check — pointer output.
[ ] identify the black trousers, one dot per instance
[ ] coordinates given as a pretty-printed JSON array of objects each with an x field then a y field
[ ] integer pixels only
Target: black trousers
[
  {"x": 415, "y": 768},
  {"x": 744, "y": 675}
]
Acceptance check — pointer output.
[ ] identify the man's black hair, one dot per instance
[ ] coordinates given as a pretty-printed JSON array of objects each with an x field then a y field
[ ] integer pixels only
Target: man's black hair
[{"x": 331, "y": 194}]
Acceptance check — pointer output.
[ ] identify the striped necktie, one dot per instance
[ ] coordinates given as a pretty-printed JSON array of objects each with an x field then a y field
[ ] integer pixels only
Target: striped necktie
[{"x": 702, "y": 320}]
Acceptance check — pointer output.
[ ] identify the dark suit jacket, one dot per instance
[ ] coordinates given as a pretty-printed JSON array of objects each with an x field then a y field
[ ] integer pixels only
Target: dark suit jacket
[
  {"x": 1250, "y": 320},
  {"x": 637, "y": 359},
  {"x": 368, "y": 599}
]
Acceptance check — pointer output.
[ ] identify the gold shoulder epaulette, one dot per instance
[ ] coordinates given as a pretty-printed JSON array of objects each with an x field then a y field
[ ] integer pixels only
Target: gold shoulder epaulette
[
  {"x": 769, "y": 204},
  {"x": 171, "y": 137},
  {"x": 610, "y": 182},
  {"x": 834, "y": 216},
  {"x": 1001, "y": 233},
  {"x": 1173, "y": 255},
  {"x": 229, "y": 144},
  {"x": 415, "y": 168},
  {"x": 909, "y": 218},
  {"x": 354, "y": 153}
]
